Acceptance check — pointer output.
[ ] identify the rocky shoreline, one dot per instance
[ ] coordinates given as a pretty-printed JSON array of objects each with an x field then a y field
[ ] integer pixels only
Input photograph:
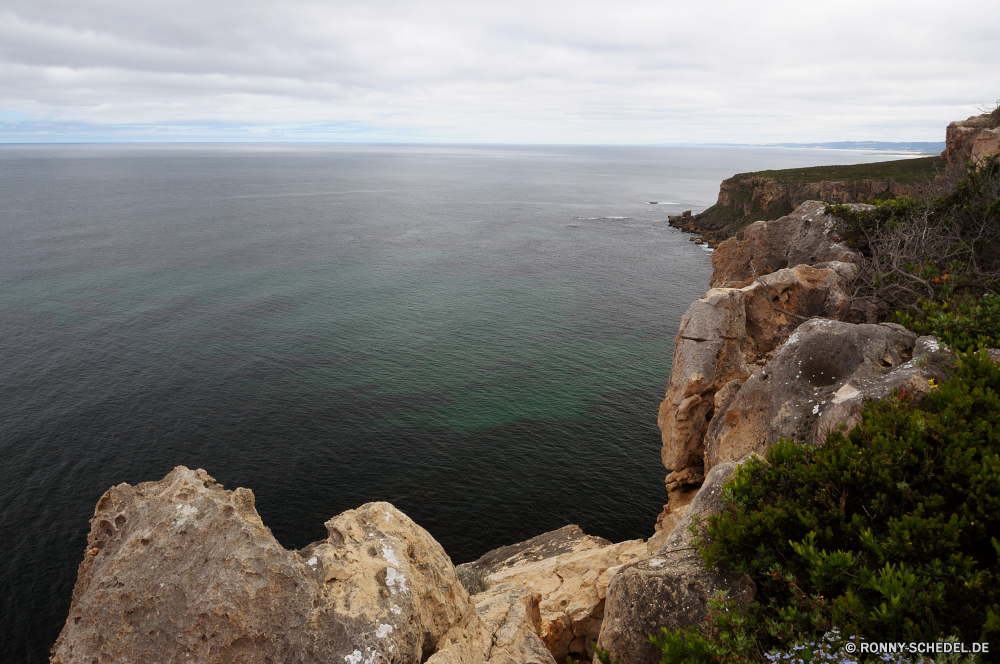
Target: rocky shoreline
[{"x": 183, "y": 570}]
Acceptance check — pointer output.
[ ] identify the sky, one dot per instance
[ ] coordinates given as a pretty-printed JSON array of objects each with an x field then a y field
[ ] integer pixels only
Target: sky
[{"x": 527, "y": 72}]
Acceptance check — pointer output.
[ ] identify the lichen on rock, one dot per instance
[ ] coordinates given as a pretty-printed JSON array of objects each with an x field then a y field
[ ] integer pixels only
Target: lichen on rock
[{"x": 182, "y": 570}]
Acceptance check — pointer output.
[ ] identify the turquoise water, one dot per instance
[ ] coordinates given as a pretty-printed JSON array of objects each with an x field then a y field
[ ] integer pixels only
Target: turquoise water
[{"x": 480, "y": 335}]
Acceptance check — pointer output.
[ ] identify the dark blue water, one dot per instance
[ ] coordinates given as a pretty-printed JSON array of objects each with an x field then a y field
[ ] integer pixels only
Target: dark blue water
[{"x": 480, "y": 336}]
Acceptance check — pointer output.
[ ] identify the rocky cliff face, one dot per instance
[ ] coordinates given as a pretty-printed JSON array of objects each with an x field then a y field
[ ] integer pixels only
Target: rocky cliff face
[
  {"x": 743, "y": 200},
  {"x": 970, "y": 140},
  {"x": 787, "y": 353},
  {"x": 746, "y": 198},
  {"x": 777, "y": 348},
  {"x": 670, "y": 587},
  {"x": 748, "y": 195}
]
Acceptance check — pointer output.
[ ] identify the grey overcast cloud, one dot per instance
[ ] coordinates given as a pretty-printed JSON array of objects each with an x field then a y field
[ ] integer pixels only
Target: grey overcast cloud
[{"x": 516, "y": 71}]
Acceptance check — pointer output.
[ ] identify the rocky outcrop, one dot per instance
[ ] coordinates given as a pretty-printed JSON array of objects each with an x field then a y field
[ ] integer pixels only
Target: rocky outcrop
[
  {"x": 181, "y": 570},
  {"x": 968, "y": 141},
  {"x": 805, "y": 237},
  {"x": 670, "y": 588},
  {"x": 748, "y": 197},
  {"x": 725, "y": 337},
  {"x": 735, "y": 328},
  {"x": 750, "y": 194},
  {"x": 569, "y": 571},
  {"x": 818, "y": 380},
  {"x": 507, "y": 632}
]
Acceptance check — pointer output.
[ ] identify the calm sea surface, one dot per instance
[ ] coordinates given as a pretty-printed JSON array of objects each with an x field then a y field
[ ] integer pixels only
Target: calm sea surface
[{"x": 479, "y": 335}]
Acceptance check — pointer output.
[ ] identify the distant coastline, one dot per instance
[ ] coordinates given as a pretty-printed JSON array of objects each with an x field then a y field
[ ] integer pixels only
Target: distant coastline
[{"x": 905, "y": 147}]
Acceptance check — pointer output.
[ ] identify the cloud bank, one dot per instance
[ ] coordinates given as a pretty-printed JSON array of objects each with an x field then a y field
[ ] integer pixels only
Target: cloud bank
[{"x": 514, "y": 71}]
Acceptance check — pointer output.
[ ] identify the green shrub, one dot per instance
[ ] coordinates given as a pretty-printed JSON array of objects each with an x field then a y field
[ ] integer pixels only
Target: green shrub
[
  {"x": 938, "y": 250},
  {"x": 888, "y": 533},
  {"x": 972, "y": 323}
]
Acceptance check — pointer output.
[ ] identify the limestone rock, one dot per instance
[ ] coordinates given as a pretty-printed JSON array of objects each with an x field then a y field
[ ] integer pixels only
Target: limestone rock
[
  {"x": 181, "y": 570},
  {"x": 727, "y": 335},
  {"x": 817, "y": 381},
  {"x": 513, "y": 620},
  {"x": 806, "y": 236},
  {"x": 567, "y": 539},
  {"x": 670, "y": 588},
  {"x": 569, "y": 571},
  {"x": 929, "y": 362},
  {"x": 967, "y": 141},
  {"x": 506, "y": 631},
  {"x": 707, "y": 502}
]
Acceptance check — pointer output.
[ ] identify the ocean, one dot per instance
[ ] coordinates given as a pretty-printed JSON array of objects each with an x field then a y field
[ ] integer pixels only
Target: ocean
[{"x": 480, "y": 335}]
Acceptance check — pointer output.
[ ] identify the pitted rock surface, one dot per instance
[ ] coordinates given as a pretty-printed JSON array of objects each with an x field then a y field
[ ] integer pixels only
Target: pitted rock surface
[
  {"x": 181, "y": 570},
  {"x": 730, "y": 333},
  {"x": 707, "y": 502},
  {"x": 817, "y": 381}
]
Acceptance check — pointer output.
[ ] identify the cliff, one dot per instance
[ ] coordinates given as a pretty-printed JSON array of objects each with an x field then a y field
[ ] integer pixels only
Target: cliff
[
  {"x": 766, "y": 195},
  {"x": 970, "y": 140},
  {"x": 182, "y": 570}
]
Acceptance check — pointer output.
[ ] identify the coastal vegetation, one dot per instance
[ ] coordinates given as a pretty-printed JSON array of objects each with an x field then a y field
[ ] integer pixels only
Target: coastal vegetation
[
  {"x": 907, "y": 171},
  {"x": 473, "y": 580},
  {"x": 887, "y": 532},
  {"x": 921, "y": 257}
]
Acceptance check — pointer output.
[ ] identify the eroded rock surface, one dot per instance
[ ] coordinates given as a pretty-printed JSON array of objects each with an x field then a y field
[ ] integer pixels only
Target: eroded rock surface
[
  {"x": 967, "y": 141},
  {"x": 819, "y": 380},
  {"x": 805, "y": 237},
  {"x": 181, "y": 570},
  {"x": 569, "y": 571},
  {"x": 670, "y": 588},
  {"x": 513, "y": 619},
  {"x": 506, "y": 631},
  {"x": 735, "y": 328},
  {"x": 726, "y": 336}
]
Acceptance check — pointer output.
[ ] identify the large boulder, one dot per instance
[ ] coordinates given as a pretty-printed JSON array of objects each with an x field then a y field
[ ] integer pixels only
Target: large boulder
[
  {"x": 805, "y": 237},
  {"x": 181, "y": 570},
  {"x": 569, "y": 571},
  {"x": 726, "y": 336},
  {"x": 818, "y": 381},
  {"x": 506, "y": 633},
  {"x": 670, "y": 588},
  {"x": 970, "y": 140}
]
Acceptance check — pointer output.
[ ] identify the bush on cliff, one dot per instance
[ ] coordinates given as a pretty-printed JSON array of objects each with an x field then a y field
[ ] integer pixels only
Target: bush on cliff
[
  {"x": 945, "y": 249},
  {"x": 473, "y": 580},
  {"x": 887, "y": 533},
  {"x": 961, "y": 324}
]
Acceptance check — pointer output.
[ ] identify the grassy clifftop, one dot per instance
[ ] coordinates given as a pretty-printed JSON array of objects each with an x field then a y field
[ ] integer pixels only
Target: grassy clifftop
[{"x": 904, "y": 171}]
